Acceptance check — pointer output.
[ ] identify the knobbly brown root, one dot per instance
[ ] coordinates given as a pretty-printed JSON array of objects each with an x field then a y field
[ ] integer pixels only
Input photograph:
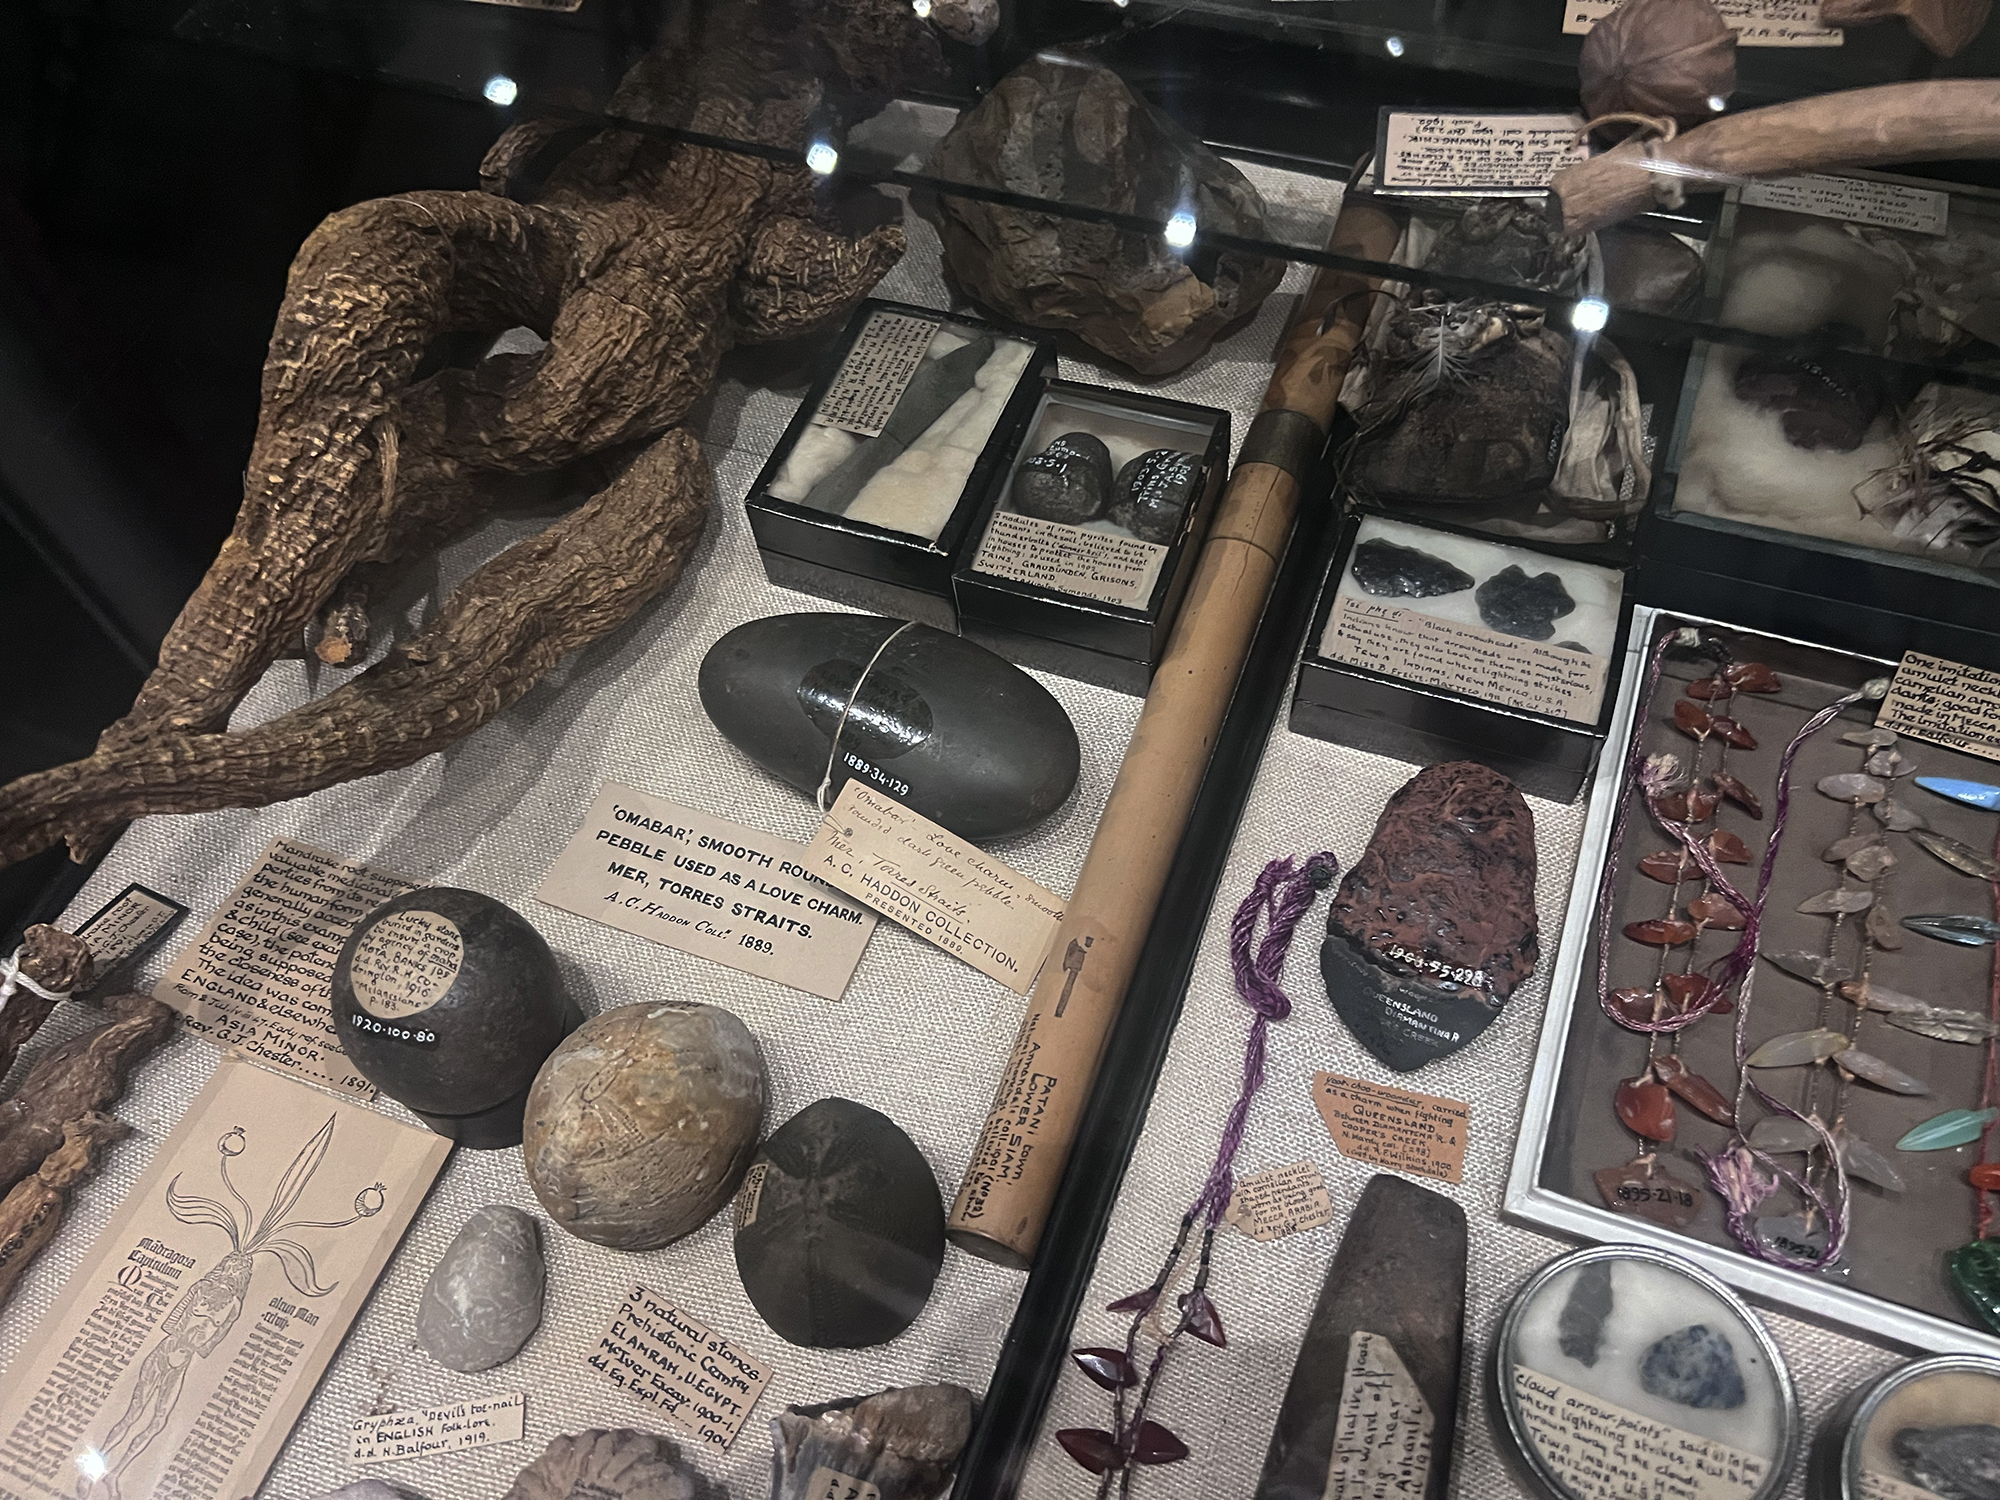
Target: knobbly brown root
[
  {"x": 32, "y": 1211},
  {"x": 56, "y": 960},
  {"x": 82, "y": 1075},
  {"x": 497, "y": 634},
  {"x": 641, "y": 260}
]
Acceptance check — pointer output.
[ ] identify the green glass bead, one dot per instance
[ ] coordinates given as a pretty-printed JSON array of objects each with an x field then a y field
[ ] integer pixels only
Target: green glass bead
[
  {"x": 1955, "y": 1127},
  {"x": 1975, "y": 1271}
]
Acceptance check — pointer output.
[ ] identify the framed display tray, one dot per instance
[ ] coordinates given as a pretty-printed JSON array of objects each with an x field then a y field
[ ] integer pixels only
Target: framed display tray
[{"x": 1891, "y": 1285}]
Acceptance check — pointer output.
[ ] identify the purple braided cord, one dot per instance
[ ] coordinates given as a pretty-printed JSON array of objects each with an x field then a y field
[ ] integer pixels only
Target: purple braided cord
[{"x": 1283, "y": 893}]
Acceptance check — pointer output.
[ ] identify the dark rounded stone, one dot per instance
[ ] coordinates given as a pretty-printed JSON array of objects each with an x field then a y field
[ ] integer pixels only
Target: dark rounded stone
[
  {"x": 1955, "y": 1463},
  {"x": 840, "y": 1230},
  {"x": 1068, "y": 481},
  {"x": 1152, "y": 493},
  {"x": 448, "y": 1001},
  {"x": 938, "y": 723},
  {"x": 1390, "y": 571},
  {"x": 1435, "y": 926},
  {"x": 1696, "y": 1367},
  {"x": 1516, "y": 604}
]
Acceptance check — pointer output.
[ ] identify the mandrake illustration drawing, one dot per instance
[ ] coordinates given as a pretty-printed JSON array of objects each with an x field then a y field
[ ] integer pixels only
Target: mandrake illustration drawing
[{"x": 209, "y": 1310}]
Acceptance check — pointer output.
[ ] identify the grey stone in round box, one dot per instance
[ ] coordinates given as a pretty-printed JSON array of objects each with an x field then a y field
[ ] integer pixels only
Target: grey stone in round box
[
  {"x": 840, "y": 1231},
  {"x": 447, "y": 1001}
]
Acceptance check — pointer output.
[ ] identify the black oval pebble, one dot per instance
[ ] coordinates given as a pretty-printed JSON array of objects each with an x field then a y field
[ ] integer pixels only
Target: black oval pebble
[
  {"x": 1152, "y": 493},
  {"x": 1068, "y": 481},
  {"x": 839, "y": 1228},
  {"x": 448, "y": 1002},
  {"x": 940, "y": 724}
]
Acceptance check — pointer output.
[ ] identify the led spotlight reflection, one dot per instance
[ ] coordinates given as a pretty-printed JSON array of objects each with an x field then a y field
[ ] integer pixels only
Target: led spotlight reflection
[
  {"x": 822, "y": 158},
  {"x": 500, "y": 90},
  {"x": 91, "y": 1465},
  {"x": 1716, "y": 102},
  {"x": 1395, "y": 46},
  {"x": 1589, "y": 315},
  {"x": 1180, "y": 230},
  {"x": 922, "y": 8}
]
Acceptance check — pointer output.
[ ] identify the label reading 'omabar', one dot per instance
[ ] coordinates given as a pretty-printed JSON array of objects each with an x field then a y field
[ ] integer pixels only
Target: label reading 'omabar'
[
  {"x": 1940, "y": 701},
  {"x": 1757, "y": 23},
  {"x": 937, "y": 885},
  {"x": 666, "y": 1358},
  {"x": 1856, "y": 200},
  {"x": 259, "y": 976},
  {"x": 879, "y": 367},
  {"x": 1604, "y": 1452},
  {"x": 125, "y": 925},
  {"x": 1383, "y": 1426},
  {"x": 1070, "y": 559},
  {"x": 1472, "y": 149},
  {"x": 390, "y": 1436},
  {"x": 1285, "y": 1200},
  {"x": 1395, "y": 1128},
  {"x": 710, "y": 887},
  {"x": 1530, "y": 675}
]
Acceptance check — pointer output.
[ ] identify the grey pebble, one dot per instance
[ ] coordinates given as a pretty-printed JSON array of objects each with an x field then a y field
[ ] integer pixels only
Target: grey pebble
[
  {"x": 485, "y": 1297},
  {"x": 1696, "y": 1367}
]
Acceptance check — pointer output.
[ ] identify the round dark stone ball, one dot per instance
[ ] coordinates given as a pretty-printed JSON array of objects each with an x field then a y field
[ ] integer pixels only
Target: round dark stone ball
[
  {"x": 840, "y": 1230},
  {"x": 448, "y": 1002},
  {"x": 1152, "y": 493},
  {"x": 1068, "y": 481}
]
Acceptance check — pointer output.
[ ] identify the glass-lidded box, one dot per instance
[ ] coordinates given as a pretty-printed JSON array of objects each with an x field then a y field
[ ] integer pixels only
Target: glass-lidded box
[
  {"x": 1081, "y": 558},
  {"x": 1837, "y": 470},
  {"x": 875, "y": 485},
  {"x": 1927, "y": 1430}
]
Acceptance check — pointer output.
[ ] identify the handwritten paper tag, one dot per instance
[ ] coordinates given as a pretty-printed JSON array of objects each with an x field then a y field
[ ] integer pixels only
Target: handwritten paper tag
[
  {"x": 937, "y": 885},
  {"x": 1533, "y": 676},
  {"x": 123, "y": 927},
  {"x": 1757, "y": 23},
  {"x": 1651, "y": 1190},
  {"x": 1604, "y": 1452},
  {"x": 1857, "y": 200},
  {"x": 485, "y": 1423},
  {"x": 1947, "y": 704},
  {"x": 1393, "y": 1127},
  {"x": 704, "y": 885},
  {"x": 258, "y": 977},
  {"x": 831, "y": 1484},
  {"x": 1382, "y": 1437},
  {"x": 1875, "y": 1485},
  {"x": 670, "y": 1360},
  {"x": 1459, "y": 150},
  {"x": 1283, "y": 1201},
  {"x": 1070, "y": 559},
  {"x": 879, "y": 367}
]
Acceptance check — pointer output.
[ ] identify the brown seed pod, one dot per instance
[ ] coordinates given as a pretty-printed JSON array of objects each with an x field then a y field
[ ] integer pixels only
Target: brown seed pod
[{"x": 1658, "y": 57}]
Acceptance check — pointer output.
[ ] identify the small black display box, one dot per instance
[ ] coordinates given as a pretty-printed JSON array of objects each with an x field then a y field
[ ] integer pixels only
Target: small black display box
[
  {"x": 878, "y": 479},
  {"x": 1433, "y": 644},
  {"x": 1078, "y": 561}
]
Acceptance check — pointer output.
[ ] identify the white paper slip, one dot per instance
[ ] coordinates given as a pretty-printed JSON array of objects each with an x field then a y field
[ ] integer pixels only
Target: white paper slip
[
  {"x": 1856, "y": 200},
  {"x": 1946, "y": 703},
  {"x": 1458, "y": 150},
  {"x": 431, "y": 1430},
  {"x": 707, "y": 886},
  {"x": 1757, "y": 23},
  {"x": 937, "y": 885}
]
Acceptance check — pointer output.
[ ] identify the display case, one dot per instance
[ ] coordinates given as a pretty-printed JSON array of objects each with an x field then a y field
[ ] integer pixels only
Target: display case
[{"x": 912, "y": 1024}]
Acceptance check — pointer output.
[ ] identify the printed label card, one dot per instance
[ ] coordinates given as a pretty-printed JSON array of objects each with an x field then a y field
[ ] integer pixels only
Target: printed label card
[{"x": 193, "y": 1333}]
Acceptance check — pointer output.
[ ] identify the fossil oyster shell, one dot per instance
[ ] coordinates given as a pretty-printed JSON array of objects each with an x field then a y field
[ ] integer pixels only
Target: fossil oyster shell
[
  {"x": 899, "y": 1444},
  {"x": 612, "y": 1463}
]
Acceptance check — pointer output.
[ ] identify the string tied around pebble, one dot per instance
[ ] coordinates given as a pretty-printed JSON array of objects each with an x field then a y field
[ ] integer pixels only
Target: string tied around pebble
[{"x": 12, "y": 980}]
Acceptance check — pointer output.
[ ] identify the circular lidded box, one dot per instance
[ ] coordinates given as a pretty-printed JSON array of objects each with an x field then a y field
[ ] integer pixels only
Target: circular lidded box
[
  {"x": 1621, "y": 1368},
  {"x": 1928, "y": 1430}
]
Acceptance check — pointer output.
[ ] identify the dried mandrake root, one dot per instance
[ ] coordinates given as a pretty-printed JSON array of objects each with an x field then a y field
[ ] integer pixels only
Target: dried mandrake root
[{"x": 641, "y": 261}]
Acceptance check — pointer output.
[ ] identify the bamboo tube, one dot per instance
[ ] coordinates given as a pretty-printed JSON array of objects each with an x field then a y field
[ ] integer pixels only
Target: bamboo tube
[
  {"x": 1947, "y": 120},
  {"x": 1008, "y": 1187}
]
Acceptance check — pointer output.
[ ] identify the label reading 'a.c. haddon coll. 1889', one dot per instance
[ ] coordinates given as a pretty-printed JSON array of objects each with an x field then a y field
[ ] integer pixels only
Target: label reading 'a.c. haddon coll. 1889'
[
  {"x": 1757, "y": 23},
  {"x": 704, "y": 885}
]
